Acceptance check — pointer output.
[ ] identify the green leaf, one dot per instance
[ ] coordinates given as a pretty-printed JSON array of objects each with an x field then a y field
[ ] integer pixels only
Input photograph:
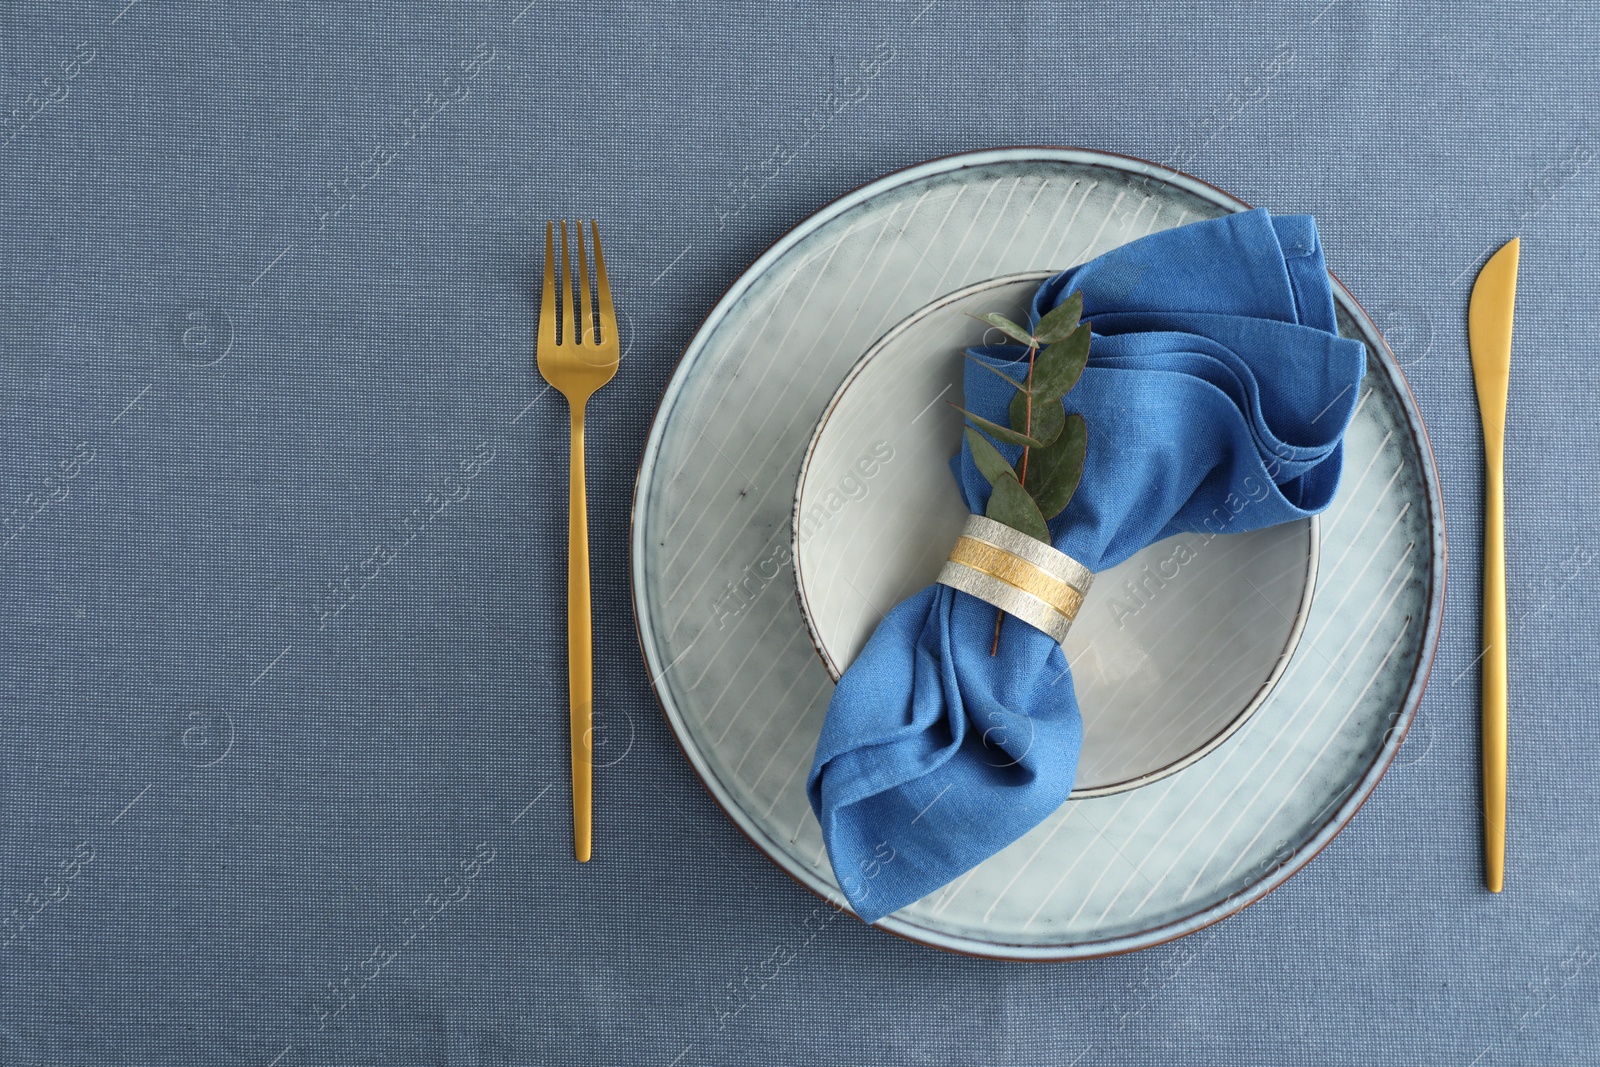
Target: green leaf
[
  {"x": 1047, "y": 416},
  {"x": 1061, "y": 320},
  {"x": 998, "y": 432},
  {"x": 1011, "y": 504},
  {"x": 1057, "y": 368},
  {"x": 1053, "y": 472},
  {"x": 1007, "y": 327},
  {"x": 988, "y": 459},
  {"x": 998, "y": 374}
]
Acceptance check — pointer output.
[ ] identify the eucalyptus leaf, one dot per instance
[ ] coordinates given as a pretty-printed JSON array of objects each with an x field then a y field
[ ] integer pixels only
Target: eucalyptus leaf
[
  {"x": 1017, "y": 333},
  {"x": 1057, "y": 369},
  {"x": 998, "y": 432},
  {"x": 1002, "y": 375},
  {"x": 1054, "y": 472},
  {"x": 1047, "y": 417},
  {"x": 990, "y": 463},
  {"x": 1060, "y": 320},
  {"x": 1010, "y": 504}
]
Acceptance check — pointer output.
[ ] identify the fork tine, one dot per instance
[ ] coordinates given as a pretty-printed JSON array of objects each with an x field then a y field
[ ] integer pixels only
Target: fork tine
[
  {"x": 586, "y": 314},
  {"x": 608, "y": 311},
  {"x": 569, "y": 294},
  {"x": 547, "y": 302}
]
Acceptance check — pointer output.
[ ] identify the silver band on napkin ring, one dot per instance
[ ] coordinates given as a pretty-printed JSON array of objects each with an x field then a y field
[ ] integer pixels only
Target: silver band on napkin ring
[{"x": 1018, "y": 574}]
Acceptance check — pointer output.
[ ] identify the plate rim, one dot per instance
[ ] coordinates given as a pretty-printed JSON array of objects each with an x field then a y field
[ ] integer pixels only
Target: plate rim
[
  {"x": 1420, "y": 671},
  {"x": 1256, "y": 699}
]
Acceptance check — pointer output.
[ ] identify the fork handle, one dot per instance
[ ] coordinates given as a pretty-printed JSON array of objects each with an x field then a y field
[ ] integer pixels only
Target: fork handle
[{"x": 580, "y": 647}]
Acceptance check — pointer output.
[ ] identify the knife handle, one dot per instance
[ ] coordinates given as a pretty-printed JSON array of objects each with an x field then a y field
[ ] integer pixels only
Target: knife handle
[{"x": 1495, "y": 717}]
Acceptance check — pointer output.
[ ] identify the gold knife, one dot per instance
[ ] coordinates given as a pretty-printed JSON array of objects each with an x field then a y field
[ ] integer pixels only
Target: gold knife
[{"x": 1494, "y": 296}]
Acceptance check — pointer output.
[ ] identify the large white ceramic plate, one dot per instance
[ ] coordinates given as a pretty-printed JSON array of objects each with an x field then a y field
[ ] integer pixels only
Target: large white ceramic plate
[
  {"x": 745, "y": 693},
  {"x": 1172, "y": 650}
]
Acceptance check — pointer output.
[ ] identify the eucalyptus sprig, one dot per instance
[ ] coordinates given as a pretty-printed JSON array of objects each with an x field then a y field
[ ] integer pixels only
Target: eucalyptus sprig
[{"x": 1053, "y": 443}]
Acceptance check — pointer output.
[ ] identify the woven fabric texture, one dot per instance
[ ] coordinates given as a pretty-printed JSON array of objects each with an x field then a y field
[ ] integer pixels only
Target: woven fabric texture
[{"x": 284, "y": 767}]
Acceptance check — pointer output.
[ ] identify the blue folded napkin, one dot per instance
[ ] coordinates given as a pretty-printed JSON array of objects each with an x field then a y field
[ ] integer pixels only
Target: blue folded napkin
[{"x": 1216, "y": 394}]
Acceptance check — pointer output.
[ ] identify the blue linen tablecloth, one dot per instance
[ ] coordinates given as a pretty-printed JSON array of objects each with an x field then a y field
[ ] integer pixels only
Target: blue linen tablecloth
[{"x": 284, "y": 762}]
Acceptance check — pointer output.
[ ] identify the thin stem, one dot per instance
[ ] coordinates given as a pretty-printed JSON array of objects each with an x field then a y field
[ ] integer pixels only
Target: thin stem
[{"x": 1027, "y": 430}]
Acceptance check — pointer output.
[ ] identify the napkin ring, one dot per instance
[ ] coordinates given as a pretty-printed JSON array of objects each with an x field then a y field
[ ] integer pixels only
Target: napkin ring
[{"x": 1018, "y": 574}]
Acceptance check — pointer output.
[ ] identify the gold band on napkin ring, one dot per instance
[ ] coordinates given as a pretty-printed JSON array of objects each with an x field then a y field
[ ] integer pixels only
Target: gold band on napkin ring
[{"x": 1018, "y": 574}]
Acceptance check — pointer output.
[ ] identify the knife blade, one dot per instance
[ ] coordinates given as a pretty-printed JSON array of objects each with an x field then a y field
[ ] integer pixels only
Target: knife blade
[{"x": 1494, "y": 297}]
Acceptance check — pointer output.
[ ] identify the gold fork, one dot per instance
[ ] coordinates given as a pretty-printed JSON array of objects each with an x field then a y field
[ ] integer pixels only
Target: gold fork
[{"x": 576, "y": 362}]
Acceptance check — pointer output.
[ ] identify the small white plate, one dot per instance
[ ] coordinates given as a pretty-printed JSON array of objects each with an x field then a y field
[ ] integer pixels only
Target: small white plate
[{"x": 1172, "y": 650}]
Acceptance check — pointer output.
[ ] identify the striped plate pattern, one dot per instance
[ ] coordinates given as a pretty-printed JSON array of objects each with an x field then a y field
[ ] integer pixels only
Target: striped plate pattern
[{"x": 744, "y": 690}]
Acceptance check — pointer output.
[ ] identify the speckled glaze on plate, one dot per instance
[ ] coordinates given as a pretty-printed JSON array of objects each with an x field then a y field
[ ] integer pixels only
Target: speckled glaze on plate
[
  {"x": 1172, "y": 650},
  {"x": 744, "y": 692}
]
